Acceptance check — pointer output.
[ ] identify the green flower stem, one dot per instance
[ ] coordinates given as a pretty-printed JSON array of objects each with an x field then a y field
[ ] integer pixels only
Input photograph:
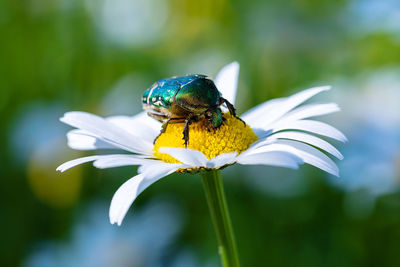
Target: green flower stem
[{"x": 220, "y": 216}]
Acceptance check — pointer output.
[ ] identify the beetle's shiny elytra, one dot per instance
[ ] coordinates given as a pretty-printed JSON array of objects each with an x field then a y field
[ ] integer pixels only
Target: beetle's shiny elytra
[{"x": 186, "y": 99}]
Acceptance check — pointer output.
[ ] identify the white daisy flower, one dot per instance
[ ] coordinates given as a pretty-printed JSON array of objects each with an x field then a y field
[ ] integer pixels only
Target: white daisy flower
[{"x": 278, "y": 132}]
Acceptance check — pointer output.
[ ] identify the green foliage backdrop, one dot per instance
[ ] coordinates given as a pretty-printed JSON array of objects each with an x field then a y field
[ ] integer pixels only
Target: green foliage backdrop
[{"x": 99, "y": 56}]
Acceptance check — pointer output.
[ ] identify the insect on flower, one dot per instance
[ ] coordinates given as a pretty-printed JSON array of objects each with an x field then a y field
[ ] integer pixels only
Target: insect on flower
[
  {"x": 278, "y": 132},
  {"x": 187, "y": 99}
]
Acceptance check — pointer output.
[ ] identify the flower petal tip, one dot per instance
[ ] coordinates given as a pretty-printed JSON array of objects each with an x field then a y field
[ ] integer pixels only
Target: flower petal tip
[
  {"x": 60, "y": 168},
  {"x": 324, "y": 87},
  {"x": 320, "y": 89},
  {"x": 334, "y": 172},
  {"x": 234, "y": 65},
  {"x": 116, "y": 218},
  {"x": 117, "y": 222},
  {"x": 68, "y": 116}
]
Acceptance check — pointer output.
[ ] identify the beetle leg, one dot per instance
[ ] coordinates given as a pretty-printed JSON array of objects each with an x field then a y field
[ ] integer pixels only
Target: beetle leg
[
  {"x": 206, "y": 124},
  {"x": 158, "y": 117},
  {"x": 206, "y": 121},
  {"x": 165, "y": 125},
  {"x": 185, "y": 132},
  {"x": 231, "y": 108},
  {"x": 163, "y": 129}
]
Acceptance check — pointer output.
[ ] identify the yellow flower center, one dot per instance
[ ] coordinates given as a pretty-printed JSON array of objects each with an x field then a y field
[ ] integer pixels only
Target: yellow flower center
[{"x": 232, "y": 136}]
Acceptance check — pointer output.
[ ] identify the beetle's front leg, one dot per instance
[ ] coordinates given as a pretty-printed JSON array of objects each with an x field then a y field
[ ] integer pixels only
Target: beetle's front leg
[
  {"x": 163, "y": 129},
  {"x": 165, "y": 125},
  {"x": 231, "y": 108},
  {"x": 158, "y": 117},
  {"x": 185, "y": 132}
]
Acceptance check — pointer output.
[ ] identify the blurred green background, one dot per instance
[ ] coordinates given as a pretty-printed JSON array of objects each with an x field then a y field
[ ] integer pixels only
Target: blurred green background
[{"x": 100, "y": 55}]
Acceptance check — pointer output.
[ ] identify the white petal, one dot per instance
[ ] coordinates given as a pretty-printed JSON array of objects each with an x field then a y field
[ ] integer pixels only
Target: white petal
[
  {"x": 145, "y": 119},
  {"x": 270, "y": 111},
  {"x": 221, "y": 160},
  {"x": 273, "y": 158},
  {"x": 108, "y": 132},
  {"x": 310, "y": 139},
  {"x": 311, "y": 110},
  {"x": 315, "y": 127},
  {"x": 72, "y": 163},
  {"x": 227, "y": 80},
  {"x": 128, "y": 192},
  {"x": 112, "y": 161},
  {"x": 123, "y": 198},
  {"x": 139, "y": 125},
  {"x": 261, "y": 133},
  {"x": 187, "y": 156},
  {"x": 313, "y": 156},
  {"x": 148, "y": 166},
  {"x": 261, "y": 142},
  {"x": 295, "y": 100},
  {"x": 105, "y": 161},
  {"x": 266, "y": 146},
  {"x": 254, "y": 116},
  {"x": 82, "y": 140}
]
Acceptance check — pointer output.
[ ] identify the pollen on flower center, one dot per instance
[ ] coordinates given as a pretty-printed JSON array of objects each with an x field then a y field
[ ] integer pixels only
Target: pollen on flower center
[{"x": 232, "y": 136}]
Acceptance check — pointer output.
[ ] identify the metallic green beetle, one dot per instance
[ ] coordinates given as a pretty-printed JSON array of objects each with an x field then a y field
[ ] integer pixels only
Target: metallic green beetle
[{"x": 186, "y": 99}]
